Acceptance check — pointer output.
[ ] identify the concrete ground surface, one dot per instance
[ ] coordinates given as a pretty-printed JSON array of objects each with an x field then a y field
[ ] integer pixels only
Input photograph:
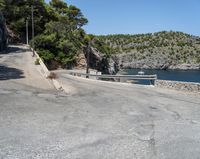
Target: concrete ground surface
[{"x": 94, "y": 120}]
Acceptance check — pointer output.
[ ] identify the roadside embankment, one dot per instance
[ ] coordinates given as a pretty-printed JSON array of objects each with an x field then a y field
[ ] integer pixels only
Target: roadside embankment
[
  {"x": 181, "y": 86},
  {"x": 176, "y": 85},
  {"x": 46, "y": 72}
]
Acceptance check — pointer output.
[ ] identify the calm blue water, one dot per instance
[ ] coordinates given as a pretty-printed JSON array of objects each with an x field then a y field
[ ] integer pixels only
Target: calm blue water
[{"x": 174, "y": 75}]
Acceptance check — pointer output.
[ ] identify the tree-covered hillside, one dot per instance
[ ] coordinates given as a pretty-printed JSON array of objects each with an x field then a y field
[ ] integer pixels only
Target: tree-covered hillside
[
  {"x": 59, "y": 37},
  {"x": 159, "y": 50},
  {"x": 60, "y": 40}
]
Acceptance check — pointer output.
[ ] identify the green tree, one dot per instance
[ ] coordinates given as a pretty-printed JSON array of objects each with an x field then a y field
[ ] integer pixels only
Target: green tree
[
  {"x": 59, "y": 36},
  {"x": 2, "y": 5},
  {"x": 17, "y": 12}
]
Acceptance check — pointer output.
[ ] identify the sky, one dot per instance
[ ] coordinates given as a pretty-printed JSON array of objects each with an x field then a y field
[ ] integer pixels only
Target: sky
[{"x": 139, "y": 16}]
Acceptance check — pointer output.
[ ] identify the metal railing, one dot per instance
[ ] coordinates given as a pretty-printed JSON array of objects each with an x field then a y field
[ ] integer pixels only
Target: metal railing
[{"x": 120, "y": 78}]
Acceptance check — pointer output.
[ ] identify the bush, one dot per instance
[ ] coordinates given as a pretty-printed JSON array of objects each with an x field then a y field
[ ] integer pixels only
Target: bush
[
  {"x": 52, "y": 75},
  {"x": 47, "y": 42},
  {"x": 37, "y": 61},
  {"x": 46, "y": 55}
]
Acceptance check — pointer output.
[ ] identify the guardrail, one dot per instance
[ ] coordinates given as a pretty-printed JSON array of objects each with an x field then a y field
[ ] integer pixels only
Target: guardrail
[{"x": 120, "y": 78}]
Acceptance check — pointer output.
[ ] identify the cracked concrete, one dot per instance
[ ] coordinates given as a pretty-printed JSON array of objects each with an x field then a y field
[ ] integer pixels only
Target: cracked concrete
[{"x": 94, "y": 120}]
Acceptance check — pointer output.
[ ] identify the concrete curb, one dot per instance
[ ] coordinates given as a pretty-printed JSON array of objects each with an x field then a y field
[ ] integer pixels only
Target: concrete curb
[
  {"x": 57, "y": 85},
  {"x": 46, "y": 72},
  {"x": 43, "y": 66}
]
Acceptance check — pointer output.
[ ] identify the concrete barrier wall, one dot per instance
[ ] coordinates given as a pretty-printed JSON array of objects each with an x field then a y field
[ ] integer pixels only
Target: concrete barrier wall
[
  {"x": 43, "y": 66},
  {"x": 46, "y": 72},
  {"x": 182, "y": 86}
]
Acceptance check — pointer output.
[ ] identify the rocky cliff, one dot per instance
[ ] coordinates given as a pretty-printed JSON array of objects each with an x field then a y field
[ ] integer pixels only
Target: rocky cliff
[
  {"x": 154, "y": 62},
  {"x": 162, "y": 50},
  {"x": 98, "y": 61}
]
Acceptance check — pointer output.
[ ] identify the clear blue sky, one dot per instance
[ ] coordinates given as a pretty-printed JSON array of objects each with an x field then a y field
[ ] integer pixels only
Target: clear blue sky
[{"x": 140, "y": 16}]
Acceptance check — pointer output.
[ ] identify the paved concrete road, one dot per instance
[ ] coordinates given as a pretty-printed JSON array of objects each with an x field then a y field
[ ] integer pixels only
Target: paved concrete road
[{"x": 96, "y": 120}]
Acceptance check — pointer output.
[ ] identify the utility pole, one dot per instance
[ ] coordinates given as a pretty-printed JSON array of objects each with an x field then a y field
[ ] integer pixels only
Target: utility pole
[
  {"x": 26, "y": 31},
  {"x": 33, "y": 33},
  {"x": 88, "y": 60}
]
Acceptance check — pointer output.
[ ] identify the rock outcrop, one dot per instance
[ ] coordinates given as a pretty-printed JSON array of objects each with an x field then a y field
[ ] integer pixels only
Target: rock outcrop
[
  {"x": 153, "y": 62},
  {"x": 98, "y": 61},
  {"x": 185, "y": 66},
  {"x": 81, "y": 62},
  {"x": 161, "y": 50}
]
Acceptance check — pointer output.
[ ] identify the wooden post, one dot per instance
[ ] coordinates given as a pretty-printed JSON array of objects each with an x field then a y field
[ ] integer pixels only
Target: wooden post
[{"x": 27, "y": 32}]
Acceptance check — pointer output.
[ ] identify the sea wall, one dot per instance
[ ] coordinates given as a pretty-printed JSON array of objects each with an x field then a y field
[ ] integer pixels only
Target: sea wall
[{"x": 182, "y": 86}]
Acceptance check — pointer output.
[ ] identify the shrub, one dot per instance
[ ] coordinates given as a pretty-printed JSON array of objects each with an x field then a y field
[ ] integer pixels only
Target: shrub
[
  {"x": 37, "y": 61},
  {"x": 52, "y": 75},
  {"x": 46, "y": 55}
]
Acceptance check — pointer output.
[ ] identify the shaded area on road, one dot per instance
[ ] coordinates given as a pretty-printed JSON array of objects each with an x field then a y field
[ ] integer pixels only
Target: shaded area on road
[
  {"x": 7, "y": 73},
  {"x": 14, "y": 49}
]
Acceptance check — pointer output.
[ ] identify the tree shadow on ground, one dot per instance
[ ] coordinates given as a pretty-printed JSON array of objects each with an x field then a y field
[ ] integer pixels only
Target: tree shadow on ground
[
  {"x": 7, "y": 73},
  {"x": 14, "y": 49}
]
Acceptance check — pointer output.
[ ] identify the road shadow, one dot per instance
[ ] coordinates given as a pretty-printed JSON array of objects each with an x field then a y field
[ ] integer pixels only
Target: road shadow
[
  {"x": 7, "y": 73},
  {"x": 14, "y": 49}
]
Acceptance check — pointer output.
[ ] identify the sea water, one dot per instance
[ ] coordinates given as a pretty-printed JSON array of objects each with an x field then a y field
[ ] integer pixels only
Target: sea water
[{"x": 173, "y": 75}]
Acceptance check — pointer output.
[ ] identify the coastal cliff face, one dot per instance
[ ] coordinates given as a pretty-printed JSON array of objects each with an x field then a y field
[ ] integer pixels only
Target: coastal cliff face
[
  {"x": 162, "y": 50},
  {"x": 102, "y": 63},
  {"x": 98, "y": 61},
  {"x": 154, "y": 62}
]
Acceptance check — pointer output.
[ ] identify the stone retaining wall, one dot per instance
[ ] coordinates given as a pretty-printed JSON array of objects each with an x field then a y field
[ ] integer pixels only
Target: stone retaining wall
[{"x": 182, "y": 86}]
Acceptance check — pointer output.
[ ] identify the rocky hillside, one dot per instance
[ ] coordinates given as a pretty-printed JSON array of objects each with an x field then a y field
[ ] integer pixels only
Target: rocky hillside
[
  {"x": 61, "y": 41},
  {"x": 59, "y": 37},
  {"x": 161, "y": 50}
]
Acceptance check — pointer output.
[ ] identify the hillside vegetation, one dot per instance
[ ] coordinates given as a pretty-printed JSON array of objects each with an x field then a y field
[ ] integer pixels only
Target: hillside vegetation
[
  {"x": 59, "y": 36},
  {"x": 160, "y": 50},
  {"x": 61, "y": 40}
]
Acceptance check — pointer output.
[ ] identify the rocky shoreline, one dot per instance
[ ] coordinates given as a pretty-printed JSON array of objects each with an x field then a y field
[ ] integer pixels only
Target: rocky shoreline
[
  {"x": 115, "y": 63},
  {"x": 158, "y": 62},
  {"x": 138, "y": 65}
]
